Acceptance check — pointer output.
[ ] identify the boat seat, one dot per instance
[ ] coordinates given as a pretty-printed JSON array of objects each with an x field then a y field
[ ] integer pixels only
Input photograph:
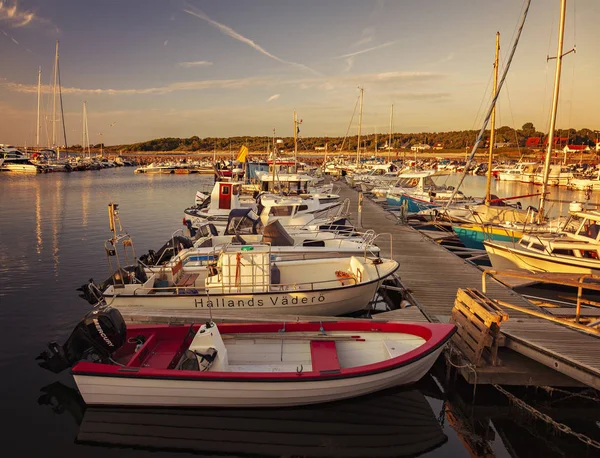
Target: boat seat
[
  {"x": 162, "y": 354},
  {"x": 324, "y": 357},
  {"x": 187, "y": 280}
]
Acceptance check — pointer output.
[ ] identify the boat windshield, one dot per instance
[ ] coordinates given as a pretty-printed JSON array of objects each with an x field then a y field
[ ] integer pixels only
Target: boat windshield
[{"x": 408, "y": 182}]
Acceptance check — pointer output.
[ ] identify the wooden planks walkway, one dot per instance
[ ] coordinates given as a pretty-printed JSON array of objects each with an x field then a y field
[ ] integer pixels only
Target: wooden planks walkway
[{"x": 432, "y": 276}]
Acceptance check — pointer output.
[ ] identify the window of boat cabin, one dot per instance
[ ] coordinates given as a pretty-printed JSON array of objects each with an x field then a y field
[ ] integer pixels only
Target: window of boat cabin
[
  {"x": 302, "y": 208},
  {"x": 408, "y": 182},
  {"x": 283, "y": 210},
  {"x": 428, "y": 183},
  {"x": 235, "y": 190}
]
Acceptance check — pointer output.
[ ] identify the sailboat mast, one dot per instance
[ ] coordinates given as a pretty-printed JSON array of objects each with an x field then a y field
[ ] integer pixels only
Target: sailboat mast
[
  {"x": 492, "y": 126},
  {"x": 54, "y": 96},
  {"x": 359, "y": 127},
  {"x": 39, "y": 93},
  {"x": 559, "y": 57},
  {"x": 390, "y": 138},
  {"x": 295, "y": 142}
]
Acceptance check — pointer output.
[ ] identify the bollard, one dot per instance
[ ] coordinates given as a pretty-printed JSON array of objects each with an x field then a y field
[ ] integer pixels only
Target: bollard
[{"x": 360, "y": 206}]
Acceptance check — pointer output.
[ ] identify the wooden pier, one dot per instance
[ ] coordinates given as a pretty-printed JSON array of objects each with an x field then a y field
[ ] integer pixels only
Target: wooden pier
[{"x": 432, "y": 275}]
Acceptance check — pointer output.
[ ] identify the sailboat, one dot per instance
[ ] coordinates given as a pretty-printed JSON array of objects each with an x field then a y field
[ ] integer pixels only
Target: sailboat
[
  {"x": 568, "y": 250},
  {"x": 496, "y": 219}
]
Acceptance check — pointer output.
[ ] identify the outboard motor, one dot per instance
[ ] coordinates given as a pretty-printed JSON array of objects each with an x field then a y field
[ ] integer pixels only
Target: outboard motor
[
  {"x": 173, "y": 246},
  {"x": 95, "y": 338}
]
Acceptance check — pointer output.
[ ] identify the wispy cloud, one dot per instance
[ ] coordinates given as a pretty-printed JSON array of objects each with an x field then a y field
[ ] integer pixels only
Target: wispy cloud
[
  {"x": 166, "y": 42},
  {"x": 363, "y": 51},
  {"x": 273, "y": 97},
  {"x": 374, "y": 80},
  {"x": 349, "y": 64},
  {"x": 366, "y": 37},
  {"x": 237, "y": 36},
  {"x": 12, "y": 15},
  {"x": 199, "y": 63}
]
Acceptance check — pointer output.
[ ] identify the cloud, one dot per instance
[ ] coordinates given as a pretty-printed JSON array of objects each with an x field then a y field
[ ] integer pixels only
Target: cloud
[
  {"x": 273, "y": 97},
  {"x": 236, "y": 36},
  {"x": 420, "y": 96},
  {"x": 200, "y": 63},
  {"x": 374, "y": 80},
  {"x": 12, "y": 15},
  {"x": 349, "y": 64},
  {"x": 366, "y": 37},
  {"x": 14, "y": 40},
  {"x": 352, "y": 54},
  {"x": 166, "y": 43}
]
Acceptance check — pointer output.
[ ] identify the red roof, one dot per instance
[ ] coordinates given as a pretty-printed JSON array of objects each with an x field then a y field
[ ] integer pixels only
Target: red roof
[
  {"x": 532, "y": 141},
  {"x": 577, "y": 147}
]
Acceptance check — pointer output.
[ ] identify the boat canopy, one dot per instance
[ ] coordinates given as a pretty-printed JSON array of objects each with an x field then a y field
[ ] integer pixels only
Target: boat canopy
[{"x": 243, "y": 221}]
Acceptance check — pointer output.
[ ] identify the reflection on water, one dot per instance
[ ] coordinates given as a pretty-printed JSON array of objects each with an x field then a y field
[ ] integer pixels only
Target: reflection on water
[
  {"x": 38, "y": 219},
  {"x": 391, "y": 423}
]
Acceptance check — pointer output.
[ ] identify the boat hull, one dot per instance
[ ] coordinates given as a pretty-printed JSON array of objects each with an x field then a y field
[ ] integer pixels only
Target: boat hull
[
  {"x": 159, "y": 392},
  {"x": 506, "y": 256},
  {"x": 474, "y": 236},
  {"x": 326, "y": 302}
]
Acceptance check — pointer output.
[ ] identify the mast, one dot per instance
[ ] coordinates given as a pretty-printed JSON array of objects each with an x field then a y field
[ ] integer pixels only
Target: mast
[
  {"x": 390, "y": 138},
  {"x": 274, "y": 160},
  {"x": 492, "y": 125},
  {"x": 86, "y": 133},
  {"x": 359, "y": 127},
  {"x": 295, "y": 142},
  {"x": 39, "y": 93},
  {"x": 375, "y": 142},
  {"x": 559, "y": 57},
  {"x": 54, "y": 96}
]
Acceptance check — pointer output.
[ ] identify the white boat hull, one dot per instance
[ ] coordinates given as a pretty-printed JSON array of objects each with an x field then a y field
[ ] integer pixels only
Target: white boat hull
[
  {"x": 506, "y": 256},
  {"x": 168, "y": 392},
  {"x": 329, "y": 302}
]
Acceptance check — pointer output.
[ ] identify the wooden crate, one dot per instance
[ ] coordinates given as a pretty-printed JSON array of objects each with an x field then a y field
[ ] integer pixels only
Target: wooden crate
[{"x": 478, "y": 321}]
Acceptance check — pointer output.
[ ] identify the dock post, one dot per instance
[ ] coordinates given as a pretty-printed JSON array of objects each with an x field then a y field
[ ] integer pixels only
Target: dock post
[{"x": 360, "y": 207}]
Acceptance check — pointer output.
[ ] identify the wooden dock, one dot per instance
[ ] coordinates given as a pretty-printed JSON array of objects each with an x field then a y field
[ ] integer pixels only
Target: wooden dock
[{"x": 431, "y": 274}]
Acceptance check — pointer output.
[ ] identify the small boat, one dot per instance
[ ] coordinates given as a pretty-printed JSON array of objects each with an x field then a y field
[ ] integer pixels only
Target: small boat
[
  {"x": 242, "y": 364},
  {"x": 289, "y": 210},
  {"x": 576, "y": 252},
  {"x": 419, "y": 192},
  {"x": 250, "y": 277}
]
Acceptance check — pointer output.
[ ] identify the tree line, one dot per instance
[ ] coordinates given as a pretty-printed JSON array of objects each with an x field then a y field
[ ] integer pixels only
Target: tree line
[{"x": 505, "y": 135}]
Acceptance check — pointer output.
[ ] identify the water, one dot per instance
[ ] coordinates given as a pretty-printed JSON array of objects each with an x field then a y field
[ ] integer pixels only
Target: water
[{"x": 52, "y": 233}]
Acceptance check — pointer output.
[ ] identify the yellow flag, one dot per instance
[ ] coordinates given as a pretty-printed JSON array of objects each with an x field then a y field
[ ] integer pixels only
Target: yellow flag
[{"x": 242, "y": 154}]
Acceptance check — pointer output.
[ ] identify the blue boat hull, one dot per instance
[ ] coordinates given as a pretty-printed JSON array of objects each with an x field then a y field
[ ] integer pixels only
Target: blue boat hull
[
  {"x": 471, "y": 238},
  {"x": 414, "y": 205}
]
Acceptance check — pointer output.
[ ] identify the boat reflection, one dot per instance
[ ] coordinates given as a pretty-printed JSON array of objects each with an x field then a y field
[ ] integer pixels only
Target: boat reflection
[{"x": 390, "y": 423}]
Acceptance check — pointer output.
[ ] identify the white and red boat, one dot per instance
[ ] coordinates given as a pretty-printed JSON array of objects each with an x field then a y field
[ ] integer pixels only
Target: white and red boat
[{"x": 243, "y": 365}]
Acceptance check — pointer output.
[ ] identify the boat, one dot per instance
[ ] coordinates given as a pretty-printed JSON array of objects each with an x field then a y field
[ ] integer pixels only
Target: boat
[
  {"x": 273, "y": 364},
  {"x": 16, "y": 161},
  {"x": 585, "y": 184},
  {"x": 563, "y": 252},
  {"x": 396, "y": 422},
  {"x": 250, "y": 277},
  {"x": 289, "y": 210},
  {"x": 419, "y": 192},
  {"x": 575, "y": 252}
]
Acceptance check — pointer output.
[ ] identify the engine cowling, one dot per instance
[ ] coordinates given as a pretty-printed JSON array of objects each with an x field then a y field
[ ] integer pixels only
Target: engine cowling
[{"x": 95, "y": 338}]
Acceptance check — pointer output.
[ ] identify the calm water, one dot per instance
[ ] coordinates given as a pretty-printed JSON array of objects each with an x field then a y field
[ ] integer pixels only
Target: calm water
[{"x": 52, "y": 229}]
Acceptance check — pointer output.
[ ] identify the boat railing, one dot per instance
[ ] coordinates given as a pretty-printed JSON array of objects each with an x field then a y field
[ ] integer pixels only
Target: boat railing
[{"x": 375, "y": 237}]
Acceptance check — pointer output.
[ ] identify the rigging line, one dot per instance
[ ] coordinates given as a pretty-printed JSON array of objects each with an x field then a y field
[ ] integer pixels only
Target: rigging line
[
  {"x": 350, "y": 125},
  {"x": 491, "y": 108},
  {"x": 62, "y": 111},
  {"x": 484, "y": 99}
]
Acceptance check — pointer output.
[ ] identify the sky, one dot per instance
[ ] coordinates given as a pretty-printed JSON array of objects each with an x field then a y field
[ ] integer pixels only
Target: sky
[{"x": 178, "y": 68}]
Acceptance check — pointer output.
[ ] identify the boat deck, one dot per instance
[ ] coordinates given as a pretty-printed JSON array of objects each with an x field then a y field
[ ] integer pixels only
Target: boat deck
[{"x": 432, "y": 275}]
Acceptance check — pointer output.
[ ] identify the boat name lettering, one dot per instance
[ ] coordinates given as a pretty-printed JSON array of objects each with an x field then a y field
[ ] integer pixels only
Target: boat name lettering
[
  {"x": 101, "y": 332},
  {"x": 276, "y": 301},
  {"x": 225, "y": 303}
]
